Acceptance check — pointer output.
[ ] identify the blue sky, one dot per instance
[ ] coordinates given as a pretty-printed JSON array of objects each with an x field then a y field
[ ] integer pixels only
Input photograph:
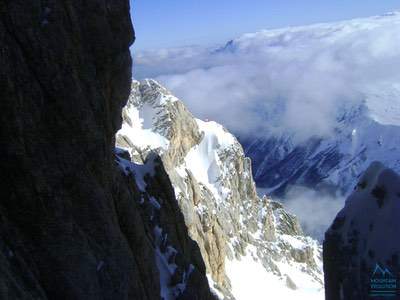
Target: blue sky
[{"x": 170, "y": 23}]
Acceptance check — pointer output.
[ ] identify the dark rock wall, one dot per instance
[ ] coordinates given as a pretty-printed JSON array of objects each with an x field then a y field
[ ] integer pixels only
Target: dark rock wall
[
  {"x": 69, "y": 225},
  {"x": 361, "y": 248}
]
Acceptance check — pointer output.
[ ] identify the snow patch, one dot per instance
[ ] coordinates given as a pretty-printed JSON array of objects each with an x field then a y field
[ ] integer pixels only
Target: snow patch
[
  {"x": 204, "y": 161},
  {"x": 250, "y": 280}
]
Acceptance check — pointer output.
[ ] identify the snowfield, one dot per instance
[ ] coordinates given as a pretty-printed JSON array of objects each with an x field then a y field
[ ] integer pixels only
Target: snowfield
[{"x": 250, "y": 281}]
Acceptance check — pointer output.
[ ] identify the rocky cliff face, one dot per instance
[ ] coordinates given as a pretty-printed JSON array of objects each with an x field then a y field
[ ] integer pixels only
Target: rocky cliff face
[
  {"x": 361, "y": 248},
  {"x": 76, "y": 221},
  {"x": 238, "y": 233}
]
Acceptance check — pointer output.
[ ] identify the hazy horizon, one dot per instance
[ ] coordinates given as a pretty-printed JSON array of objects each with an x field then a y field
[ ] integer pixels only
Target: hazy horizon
[{"x": 183, "y": 23}]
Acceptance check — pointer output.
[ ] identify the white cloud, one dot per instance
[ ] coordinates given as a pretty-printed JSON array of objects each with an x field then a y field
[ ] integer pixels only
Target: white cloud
[
  {"x": 315, "y": 210},
  {"x": 292, "y": 79}
]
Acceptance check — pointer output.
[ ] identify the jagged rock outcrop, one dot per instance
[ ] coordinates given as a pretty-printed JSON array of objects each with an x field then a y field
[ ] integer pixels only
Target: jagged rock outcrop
[
  {"x": 73, "y": 224},
  {"x": 361, "y": 248},
  {"x": 212, "y": 180},
  {"x": 178, "y": 268}
]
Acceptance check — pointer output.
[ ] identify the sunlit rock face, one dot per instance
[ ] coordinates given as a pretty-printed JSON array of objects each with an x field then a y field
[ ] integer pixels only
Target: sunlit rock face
[
  {"x": 237, "y": 231},
  {"x": 361, "y": 246}
]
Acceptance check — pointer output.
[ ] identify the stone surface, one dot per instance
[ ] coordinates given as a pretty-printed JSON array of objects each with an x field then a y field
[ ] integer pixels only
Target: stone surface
[{"x": 71, "y": 226}]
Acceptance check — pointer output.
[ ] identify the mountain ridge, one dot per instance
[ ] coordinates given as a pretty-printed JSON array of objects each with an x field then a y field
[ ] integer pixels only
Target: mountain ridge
[
  {"x": 234, "y": 228},
  {"x": 334, "y": 163}
]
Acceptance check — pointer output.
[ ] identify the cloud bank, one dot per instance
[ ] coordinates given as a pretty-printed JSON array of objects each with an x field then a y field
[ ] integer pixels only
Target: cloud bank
[
  {"x": 315, "y": 210},
  {"x": 292, "y": 80}
]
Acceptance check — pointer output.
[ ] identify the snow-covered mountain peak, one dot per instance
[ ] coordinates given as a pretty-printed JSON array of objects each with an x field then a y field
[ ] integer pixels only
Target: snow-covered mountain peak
[
  {"x": 146, "y": 107},
  {"x": 235, "y": 229},
  {"x": 151, "y": 123}
]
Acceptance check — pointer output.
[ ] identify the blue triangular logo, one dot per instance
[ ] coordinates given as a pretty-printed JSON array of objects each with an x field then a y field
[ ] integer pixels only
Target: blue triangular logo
[{"x": 381, "y": 271}]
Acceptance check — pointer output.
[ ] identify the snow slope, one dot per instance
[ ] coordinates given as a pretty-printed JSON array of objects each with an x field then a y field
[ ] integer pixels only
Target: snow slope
[
  {"x": 203, "y": 160},
  {"x": 250, "y": 281}
]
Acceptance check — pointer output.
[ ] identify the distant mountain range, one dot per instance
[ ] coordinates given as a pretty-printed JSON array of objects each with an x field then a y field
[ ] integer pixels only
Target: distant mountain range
[
  {"x": 312, "y": 105},
  {"x": 365, "y": 133}
]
